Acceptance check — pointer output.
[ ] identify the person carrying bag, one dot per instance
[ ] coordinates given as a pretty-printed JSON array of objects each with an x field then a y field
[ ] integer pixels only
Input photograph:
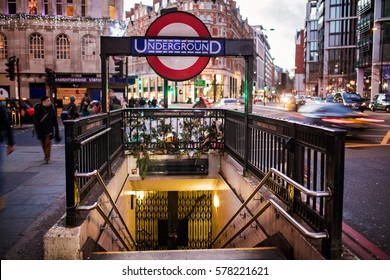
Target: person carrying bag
[{"x": 46, "y": 125}]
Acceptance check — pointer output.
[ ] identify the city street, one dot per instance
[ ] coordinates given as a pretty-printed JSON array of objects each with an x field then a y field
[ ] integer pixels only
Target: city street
[
  {"x": 366, "y": 187},
  {"x": 366, "y": 178}
]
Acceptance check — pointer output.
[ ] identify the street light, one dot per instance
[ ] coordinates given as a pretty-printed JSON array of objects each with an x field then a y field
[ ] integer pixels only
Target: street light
[{"x": 259, "y": 29}]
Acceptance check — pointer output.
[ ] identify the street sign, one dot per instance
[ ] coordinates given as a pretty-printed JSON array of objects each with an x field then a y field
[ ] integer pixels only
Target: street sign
[
  {"x": 178, "y": 24},
  {"x": 177, "y": 46},
  {"x": 200, "y": 83}
]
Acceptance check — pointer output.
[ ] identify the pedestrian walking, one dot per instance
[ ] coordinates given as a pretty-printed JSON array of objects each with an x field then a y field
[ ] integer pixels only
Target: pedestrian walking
[
  {"x": 115, "y": 103},
  {"x": 46, "y": 125},
  {"x": 131, "y": 102},
  {"x": 72, "y": 108},
  {"x": 6, "y": 134},
  {"x": 84, "y": 105},
  {"x": 154, "y": 102},
  {"x": 201, "y": 103},
  {"x": 94, "y": 107}
]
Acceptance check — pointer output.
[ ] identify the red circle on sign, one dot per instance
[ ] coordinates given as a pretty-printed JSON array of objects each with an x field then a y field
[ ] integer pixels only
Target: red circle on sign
[{"x": 162, "y": 24}]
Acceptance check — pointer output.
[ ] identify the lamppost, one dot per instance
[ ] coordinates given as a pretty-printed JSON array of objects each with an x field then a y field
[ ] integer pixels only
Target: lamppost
[
  {"x": 378, "y": 56},
  {"x": 260, "y": 33}
]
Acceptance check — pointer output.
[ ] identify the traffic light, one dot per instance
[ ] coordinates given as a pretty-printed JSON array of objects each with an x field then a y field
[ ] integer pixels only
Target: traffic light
[
  {"x": 118, "y": 69},
  {"x": 50, "y": 76},
  {"x": 10, "y": 68}
]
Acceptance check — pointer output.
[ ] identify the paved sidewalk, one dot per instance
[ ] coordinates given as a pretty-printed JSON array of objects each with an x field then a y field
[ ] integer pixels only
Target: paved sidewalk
[{"x": 34, "y": 194}]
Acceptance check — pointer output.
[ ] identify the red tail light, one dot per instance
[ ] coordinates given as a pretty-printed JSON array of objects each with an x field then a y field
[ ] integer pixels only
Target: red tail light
[
  {"x": 370, "y": 120},
  {"x": 338, "y": 121}
]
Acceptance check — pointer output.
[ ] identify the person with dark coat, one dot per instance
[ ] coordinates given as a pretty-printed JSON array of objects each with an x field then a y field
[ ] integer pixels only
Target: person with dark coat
[
  {"x": 72, "y": 108},
  {"x": 84, "y": 105},
  {"x": 46, "y": 125},
  {"x": 131, "y": 102},
  {"x": 142, "y": 102},
  {"x": 6, "y": 135},
  {"x": 115, "y": 103},
  {"x": 154, "y": 102},
  {"x": 6, "y": 131}
]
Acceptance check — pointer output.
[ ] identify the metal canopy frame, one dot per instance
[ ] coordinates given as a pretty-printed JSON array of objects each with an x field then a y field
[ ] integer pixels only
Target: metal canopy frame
[{"x": 121, "y": 46}]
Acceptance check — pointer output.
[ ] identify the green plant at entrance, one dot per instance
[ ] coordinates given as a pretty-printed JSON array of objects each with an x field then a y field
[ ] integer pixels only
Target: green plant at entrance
[
  {"x": 142, "y": 161},
  {"x": 194, "y": 136}
]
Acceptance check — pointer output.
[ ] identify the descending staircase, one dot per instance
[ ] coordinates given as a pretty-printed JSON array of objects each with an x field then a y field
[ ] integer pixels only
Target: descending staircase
[{"x": 263, "y": 253}]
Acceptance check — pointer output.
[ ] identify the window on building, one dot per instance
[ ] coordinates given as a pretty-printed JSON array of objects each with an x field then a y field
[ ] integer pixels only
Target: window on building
[
  {"x": 36, "y": 46},
  {"x": 69, "y": 8},
  {"x": 3, "y": 47},
  {"x": 63, "y": 47},
  {"x": 37, "y": 90},
  {"x": 11, "y": 7},
  {"x": 385, "y": 52},
  {"x": 59, "y": 7},
  {"x": 112, "y": 9},
  {"x": 386, "y": 8},
  {"x": 341, "y": 61},
  {"x": 340, "y": 33},
  {"x": 32, "y": 7},
  {"x": 88, "y": 48},
  {"x": 46, "y": 7},
  {"x": 83, "y": 8}
]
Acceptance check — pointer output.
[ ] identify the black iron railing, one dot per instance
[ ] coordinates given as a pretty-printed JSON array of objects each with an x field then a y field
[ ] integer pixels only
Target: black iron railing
[
  {"x": 173, "y": 131},
  {"x": 91, "y": 143},
  {"x": 311, "y": 156}
]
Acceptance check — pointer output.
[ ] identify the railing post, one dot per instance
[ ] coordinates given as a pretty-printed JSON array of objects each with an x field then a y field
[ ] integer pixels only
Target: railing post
[
  {"x": 108, "y": 150},
  {"x": 248, "y": 108},
  {"x": 71, "y": 164},
  {"x": 294, "y": 168},
  {"x": 332, "y": 247}
]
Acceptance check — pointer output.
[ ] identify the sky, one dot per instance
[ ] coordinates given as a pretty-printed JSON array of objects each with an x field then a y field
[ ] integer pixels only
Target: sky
[{"x": 286, "y": 17}]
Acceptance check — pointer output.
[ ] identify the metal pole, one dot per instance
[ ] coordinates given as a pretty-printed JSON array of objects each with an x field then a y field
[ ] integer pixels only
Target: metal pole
[
  {"x": 215, "y": 87},
  {"x": 176, "y": 93},
  {"x": 104, "y": 82},
  {"x": 20, "y": 99},
  {"x": 165, "y": 89},
  {"x": 381, "y": 64},
  {"x": 127, "y": 80}
]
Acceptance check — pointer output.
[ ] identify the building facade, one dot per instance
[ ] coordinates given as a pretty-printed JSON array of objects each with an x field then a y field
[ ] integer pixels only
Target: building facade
[
  {"x": 61, "y": 37},
  {"x": 299, "y": 63},
  {"x": 337, "y": 24},
  {"x": 311, "y": 64},
  {"x": 57, "y": 45},
  {"x": 223, "y": 77},
  {"x": 352, "y": 48},
  {"x": 264, "y": 73},
  {"x": 373, "y": 60}
]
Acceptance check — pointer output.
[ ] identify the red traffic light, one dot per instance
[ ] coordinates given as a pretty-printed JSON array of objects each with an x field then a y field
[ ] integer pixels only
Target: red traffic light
[{"x": 10, "y": 68}]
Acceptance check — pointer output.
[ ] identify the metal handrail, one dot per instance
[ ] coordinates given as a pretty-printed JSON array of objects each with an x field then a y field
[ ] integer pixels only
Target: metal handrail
[
  {"x": 106, "y": 219},
  {"x": 315, "y": 235},
  {"x": 300, "y": 187},
  {"x": 89, "y": 139},
  {"x": 302, "y": 229},
  {"x": 103, "y": 185}
]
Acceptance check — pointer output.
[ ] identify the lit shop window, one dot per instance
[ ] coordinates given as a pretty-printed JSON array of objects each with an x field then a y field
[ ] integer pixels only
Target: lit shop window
[
  {"x": 3, "y": 47},
  {"x": 32, "y": 7}
]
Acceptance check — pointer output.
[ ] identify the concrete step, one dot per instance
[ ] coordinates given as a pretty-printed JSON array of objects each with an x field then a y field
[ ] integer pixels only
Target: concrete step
[{"x": 264, "y": 253}]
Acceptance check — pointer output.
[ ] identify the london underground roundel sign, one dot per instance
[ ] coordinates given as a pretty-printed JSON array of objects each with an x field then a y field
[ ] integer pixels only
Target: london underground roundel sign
[{"x": 178, "y": 24}]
